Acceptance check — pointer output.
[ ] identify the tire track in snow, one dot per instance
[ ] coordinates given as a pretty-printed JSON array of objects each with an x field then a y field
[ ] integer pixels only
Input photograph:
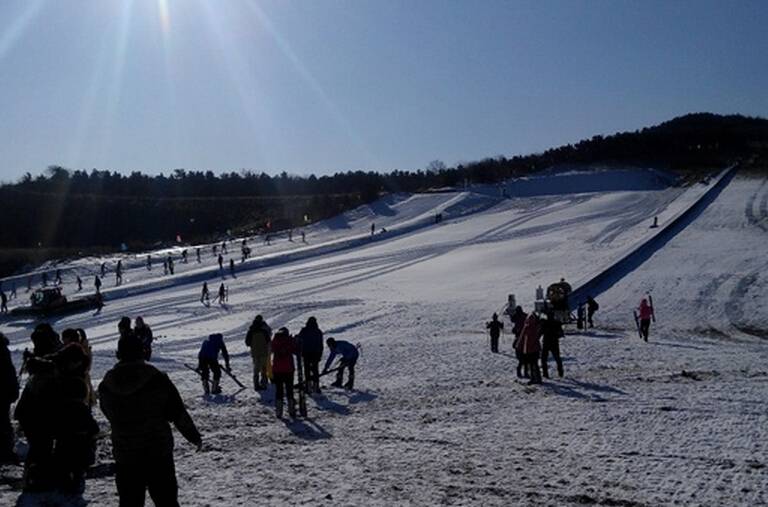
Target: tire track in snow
[
  {"x": 734, "y": 307},
  {"x": 749, "y": 210}
]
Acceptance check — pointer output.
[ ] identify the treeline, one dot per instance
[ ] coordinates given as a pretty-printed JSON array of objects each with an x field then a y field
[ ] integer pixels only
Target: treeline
[{"x": 80, "y": 209}]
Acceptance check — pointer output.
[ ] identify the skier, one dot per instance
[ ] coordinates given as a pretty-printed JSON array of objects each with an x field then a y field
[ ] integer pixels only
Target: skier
[
  {"x": 283, "y": 349},
  {"x": 529, "y": 347},
  {"x": 9, "y": 392},
  {"x": 258, "y": 340},
  {"x": 205, "y": 296},
  {"x": 144, "y": 334},
  {"x": 140, "y": 401},
  {"x": 495, "y": 327},
  {"x": 97, "y": 284},
  {"x": 645, "y": 313},
  {"x": 551, "y": 332},
  {"x": 222, "y": 294},
  {"x": 208, "y": 361},
  {"x": 349, "y": 355},
  {"x": 221, "y": 262},
  {"x": 517, "y": 317},
  {"x": 592, "y": 307},
  {"x": 232, "y": 267},
  {"x": 310, "y": 342},
  {"x": 149, "y": 262},
  {"x": 79, "y": 283},
  {"x": 3, "y": 302}
]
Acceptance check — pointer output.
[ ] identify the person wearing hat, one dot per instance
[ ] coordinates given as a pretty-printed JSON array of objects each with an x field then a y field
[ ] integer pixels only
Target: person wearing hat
[
  {"x": 310, "y": 341},
  {"x": 140, "y": 402},
  {"x": 257, "y": 339},
  {"x": 494, "y": 327},
  {"x": 283, "y": 349}
]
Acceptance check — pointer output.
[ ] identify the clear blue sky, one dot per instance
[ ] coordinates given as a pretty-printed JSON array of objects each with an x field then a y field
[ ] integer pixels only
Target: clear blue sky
[{"x": 317, "y": 86}]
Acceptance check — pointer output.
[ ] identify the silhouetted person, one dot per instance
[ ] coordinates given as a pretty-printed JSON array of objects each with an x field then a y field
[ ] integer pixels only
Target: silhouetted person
[
  {"x": 232, "y": 267},
  {"x": 205, "y": 295},
  {"x": 9, "y": 392},
  {"x": 97, "y": 284},
  {"x": 221, "y": 262},
  {"x": 197, "y": 251},
  {"x": 149, "y": 262},
  {"x": 3, "y": 302},
  {"x": 79, "y": 283},
  {"x": 592, "y": 307},
  {"x": 494, "y": 327}
]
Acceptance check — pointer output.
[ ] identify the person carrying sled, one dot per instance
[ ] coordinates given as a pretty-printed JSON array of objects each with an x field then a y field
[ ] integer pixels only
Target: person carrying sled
[
  {"x": 551, "y": 332},
  {"x": 645, "y": 314},
  {"x": 208, "y": 361},
  {"x": 494, "y": 327},
  {"x": 592, "y": 307},
  {"x": 258, "y": 340},
  {"x": 529, "y": 347},
  {"x": 349, "y": 355},
  {"x": 283, "y": 349},
  {"x": 144, "y": 333},
  {"x": 517, "y": 317},
  {"x": 310, "y": 341},
  {"x": 140, "y": 402}
]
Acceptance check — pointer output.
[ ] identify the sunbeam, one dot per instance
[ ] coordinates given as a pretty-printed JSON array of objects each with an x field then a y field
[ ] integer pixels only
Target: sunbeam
[{"x": 18, "y": 27}]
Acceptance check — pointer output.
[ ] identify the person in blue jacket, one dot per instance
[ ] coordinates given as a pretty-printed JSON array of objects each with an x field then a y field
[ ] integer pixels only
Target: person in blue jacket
[
  {"x": 208, "y": 360},
  {"x": 349, "y": 355},
  {"x": 310, "y": 340}
]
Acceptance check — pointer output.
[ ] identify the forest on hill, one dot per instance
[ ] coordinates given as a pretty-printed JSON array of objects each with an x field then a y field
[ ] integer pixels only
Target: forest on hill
[{"x": 67, "y": 211}]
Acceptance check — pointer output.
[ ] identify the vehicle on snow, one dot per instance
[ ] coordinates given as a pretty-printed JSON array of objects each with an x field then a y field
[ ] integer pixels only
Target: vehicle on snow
[{"x": 50, "y": 301}]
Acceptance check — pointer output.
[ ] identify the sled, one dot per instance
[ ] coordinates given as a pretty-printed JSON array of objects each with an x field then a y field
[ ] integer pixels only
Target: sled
[
  {"x": 302, "y": 386},
  {"x": 232, "y": 376},
  {"x": 653, "y": 312}
]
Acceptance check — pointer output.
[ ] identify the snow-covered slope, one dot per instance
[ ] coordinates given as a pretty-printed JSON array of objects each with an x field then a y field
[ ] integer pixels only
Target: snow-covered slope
[{"x": 437, "y": 418}]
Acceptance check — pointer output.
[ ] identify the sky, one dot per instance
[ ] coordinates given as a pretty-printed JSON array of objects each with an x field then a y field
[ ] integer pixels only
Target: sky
[{"x": 323, "y": 86}]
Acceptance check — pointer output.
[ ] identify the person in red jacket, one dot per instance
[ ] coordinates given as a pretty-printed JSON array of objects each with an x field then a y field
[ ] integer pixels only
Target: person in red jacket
[
  {"x": 528, "y": 345},
  {"x": 645, "y": 313},
  {"x": 283, "y": 349}
]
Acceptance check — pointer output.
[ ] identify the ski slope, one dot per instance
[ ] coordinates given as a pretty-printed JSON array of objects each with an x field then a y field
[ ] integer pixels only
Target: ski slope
[{"x": 437, "y": 418}]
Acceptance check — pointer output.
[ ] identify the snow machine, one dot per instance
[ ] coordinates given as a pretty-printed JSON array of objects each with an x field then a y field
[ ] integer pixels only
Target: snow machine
[
  {"x": 557, "y": 302},
  {"x": 50, "y": 301}
]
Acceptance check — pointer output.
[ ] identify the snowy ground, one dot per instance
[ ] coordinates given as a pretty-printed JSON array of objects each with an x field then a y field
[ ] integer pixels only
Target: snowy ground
[{"x": 437, "y": 418}]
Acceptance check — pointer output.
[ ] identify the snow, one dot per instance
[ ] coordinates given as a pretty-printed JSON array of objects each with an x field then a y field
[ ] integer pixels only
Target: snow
[{"x": 437, "y": 418}]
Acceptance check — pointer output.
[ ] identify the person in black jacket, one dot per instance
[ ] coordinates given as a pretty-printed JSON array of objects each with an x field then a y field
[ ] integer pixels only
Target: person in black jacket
[
  {"x": 140, "y": 402},
  {"x": 551, "y": 331},
  {"x": 9, "y": 392},
  {"x": 310, "y": 341},
  {"x": 592, "y": 307},
  {"x": 495, "y": 327}
]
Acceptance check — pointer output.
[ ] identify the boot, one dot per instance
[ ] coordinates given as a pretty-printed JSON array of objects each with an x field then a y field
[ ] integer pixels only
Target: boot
[
  {"x": 279, "y": 408},
  {"x": 206, "y": 388},
  {"x": 349, "y": 385},
  {"x": 292, "y": 409},
  {"x": 215, "y": 388},
  {"x": 256, "y": 381}
]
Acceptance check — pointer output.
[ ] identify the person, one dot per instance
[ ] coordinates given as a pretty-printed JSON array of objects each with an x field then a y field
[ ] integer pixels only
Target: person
[
  {"x": 208, "y": 361},
  {"x": 373, "y": 228},
  {"x": 144, "y": 333},
  {"x": 205, "y": 295},
  {"x": 310, "y": 342},
  {"x": 3, "y": 302},
  {"x": 224, "y": 246},
  {"x": 197, "y": 251},
  {"x": 283, "y": 349},
  {"x": 97, "y": 284},
  {"x": 495, "y": 327},
  {"x": 303, "y": 237},
  {"x": 79, "y": 283},
  {"x": 35, "y": 410},
  {"x": 140, "y": 402},
  {"x": 149, "y": 262},
  {"x": 222, "y": 294},
  {"x": 349, "y": 355},
  {"x": 13, "y": 289},
  {"x": 592, "y": 307},
  {"x": 258, "y": 340},
  {"x": 103, "y": 269},
  {"x": 9, "y": 392},
  {"x": 517, "y": 317},
  {"x": 290, "y": 235},
  {"x": 170, "y": 264},
  {"x": 529, "y": 347},
  {"x": 124, "y": 327},
  {"x": 83, "y": 339},
  {"x": 221, "y": 262},
  {"x": 232, "y": 267},
  {"x": 165, "y": 266},
  {"x": 58, "y": 277},
  {"x": 551, "y": 332},
  {"x": 184, "y": 256},
  {"x": 645, "y": 313},
  {"x": 119, "y": 273}
]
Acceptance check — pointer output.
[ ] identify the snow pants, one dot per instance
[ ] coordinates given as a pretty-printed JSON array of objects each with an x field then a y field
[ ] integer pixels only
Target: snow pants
[
  {"x": 645, "y": 326},
  {"x": 532, "y": 361},
  {"x": 156, "y": 474},
  {"x": 522, "y": 366},
  {"x": 349, "y": 364},
  {"x": 494, "y": 344},
  {"x": 207, "y": 365},
  {"x": 260, "y": 369},
  {"x": 283, "y": 386},
  {"x": 312, "y": 371},
  {"x": 552, "y": 347}
]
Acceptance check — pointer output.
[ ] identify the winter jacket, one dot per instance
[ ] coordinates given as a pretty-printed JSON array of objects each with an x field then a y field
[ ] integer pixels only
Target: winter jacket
[
  {"x": 529, "y": 338},
  {"x": 140, "y": 401},
  {"x": 495, "y": 327},
  {"x": 283, "y": 348},
  {"x": 144, "y": 334},
  {"x": 212, "y": 346},
  {"x": 9, "y": 383},
  {"x": 518, "y": 319},
  {"x": 645, "y": 311},
  {"x": 346, "y": 350},
  {"x": 310, "y": 341},
  {"x": 551, "y": 331},
  {"x": 258, "y": 339}
]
